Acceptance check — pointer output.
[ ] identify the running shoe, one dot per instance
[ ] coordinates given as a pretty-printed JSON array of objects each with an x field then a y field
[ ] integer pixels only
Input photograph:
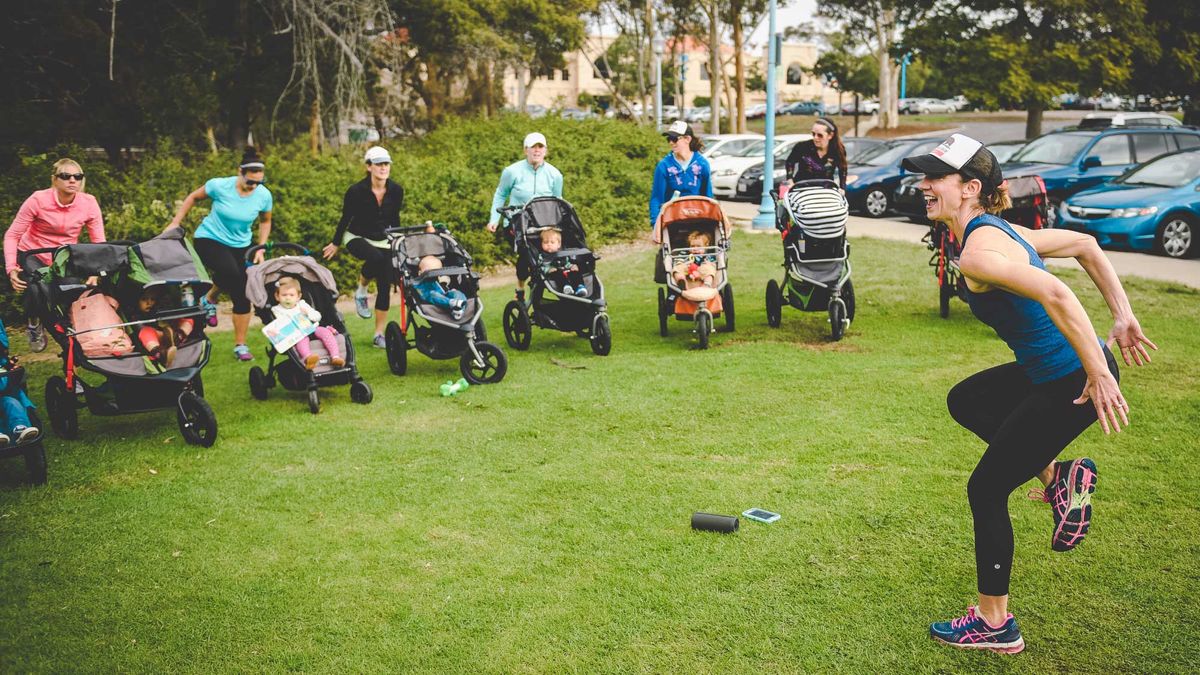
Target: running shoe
[
  {"x": 25, "y": 433},
  {"x": 37, "y": 335},
  {"x": 1070, "y": 498},
  {"x": 242, "y": 352},
  {"x": 567, "y": 290},
  {"x": 211, "y": 311},
  {"x": 973, "y": 632},
  {"x": 582, "y": 291},
  {"x": 362, "y": 303},
  {"x": 379, "y": 342},
  {"x": 4, "y": 439}
]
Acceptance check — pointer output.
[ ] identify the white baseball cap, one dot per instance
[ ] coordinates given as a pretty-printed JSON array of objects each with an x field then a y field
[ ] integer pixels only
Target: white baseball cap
[
  {"x": 535, "y": 138},
  {"x": 377, "y": 155},
  {"x": 678, "y": 128},
  {"x": 959, "y": 154}
]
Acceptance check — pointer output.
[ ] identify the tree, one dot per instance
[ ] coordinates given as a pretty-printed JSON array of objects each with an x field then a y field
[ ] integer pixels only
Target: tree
[
  {"x": 1029, "y": 51},
  {"x": 1169, "y": 64}
]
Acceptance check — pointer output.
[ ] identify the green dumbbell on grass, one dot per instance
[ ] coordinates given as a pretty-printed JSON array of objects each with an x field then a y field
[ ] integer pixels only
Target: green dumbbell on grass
[{"x": 452, "y": 388}]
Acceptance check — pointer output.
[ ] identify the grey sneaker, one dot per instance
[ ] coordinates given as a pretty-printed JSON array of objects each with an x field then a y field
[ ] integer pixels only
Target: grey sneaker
[
  {"x": 25, "y": 433},
  {"x": 37, "y": 335},
  {"x": 362, "y": 303},
  {"x": 379, "y": 342}
]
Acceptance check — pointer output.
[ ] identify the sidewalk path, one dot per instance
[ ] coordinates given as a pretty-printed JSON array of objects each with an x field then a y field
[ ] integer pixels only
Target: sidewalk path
[{"x": 1158, "y": 268}]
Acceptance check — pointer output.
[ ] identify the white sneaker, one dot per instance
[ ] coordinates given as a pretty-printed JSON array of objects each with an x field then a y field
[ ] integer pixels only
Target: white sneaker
[
  {"x": 25, "y": 433},
  {"x": 4, "y": 439}
]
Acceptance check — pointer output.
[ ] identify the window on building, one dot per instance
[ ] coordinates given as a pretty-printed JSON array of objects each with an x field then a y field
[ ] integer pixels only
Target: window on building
[
  {"x": 600, "y": 69},
  {"x": 795, "y": 74},
  {"x": 566, "y": 75}
]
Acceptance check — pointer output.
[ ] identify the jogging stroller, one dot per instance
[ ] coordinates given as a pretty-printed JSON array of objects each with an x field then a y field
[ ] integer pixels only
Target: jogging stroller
[
  {"x": 12, "y": 385},
  {"x": 1030, "y": 209},
  {"x": 699, "y": 300},
  {"x": 816, "y": 258},
  {"x": 319, "y": 290},
  {"x": 130, "y": 382},
  {"x": 436, "y": 332},
  {"x": 552, "y": 302}
]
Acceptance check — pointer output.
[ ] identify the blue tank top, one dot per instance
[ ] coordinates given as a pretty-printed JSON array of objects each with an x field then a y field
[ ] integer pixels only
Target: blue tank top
[{"x": 1040, "y": 348}]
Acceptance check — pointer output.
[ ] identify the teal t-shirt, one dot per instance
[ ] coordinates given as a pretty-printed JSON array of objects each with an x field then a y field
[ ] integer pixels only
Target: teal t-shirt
[{"x": 232, "y": 215}]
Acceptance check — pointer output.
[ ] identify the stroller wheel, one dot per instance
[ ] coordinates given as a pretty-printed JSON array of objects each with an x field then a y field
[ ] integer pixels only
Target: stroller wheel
[
  {"x": 727, "y": 306},
  {"x": 197, "y": 421},
  {"x": 314, "y": 401},
  {"x": 601, "y": 336},
  {"x": 517, "y": 330},
  {"x": 491, "y": 368},
  {"x": 35, "y": 463},
  {"x": 837, "y": 316},
  {"x": 704, "y": 324},
  {"x": 663, "y": 312},
  {"x": 60, "y": 407},
  {"x": 360, "y": 392},
  {"x": 774, "y": 304},
  {"x": 397, "y": 348},
  {"x": 848, "y": 298},
  {"x": 258, "y": 383}
]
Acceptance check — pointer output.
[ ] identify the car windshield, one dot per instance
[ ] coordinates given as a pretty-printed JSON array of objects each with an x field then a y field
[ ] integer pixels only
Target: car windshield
[
  {"x": 886, "y": 154},
  {"x": 1052, "y": 149},
  {"x": 1168, "y": 171}
]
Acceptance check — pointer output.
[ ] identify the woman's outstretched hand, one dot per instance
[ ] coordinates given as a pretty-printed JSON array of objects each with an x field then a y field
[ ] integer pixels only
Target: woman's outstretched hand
[
  {"x": 329, "y": 251},
  {"x": 1127, "y": 335},
  {"x": 1104, "y": 393}
]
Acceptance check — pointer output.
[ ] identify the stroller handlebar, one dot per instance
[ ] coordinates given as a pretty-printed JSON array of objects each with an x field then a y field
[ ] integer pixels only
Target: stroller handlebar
[{"x": 275, "y": 246}]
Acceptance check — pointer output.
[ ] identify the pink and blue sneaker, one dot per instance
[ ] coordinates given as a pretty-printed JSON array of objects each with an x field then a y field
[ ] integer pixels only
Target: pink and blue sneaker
[
  {"x": 972, "y": 631},
  {"x": 1070, "y": 498}
]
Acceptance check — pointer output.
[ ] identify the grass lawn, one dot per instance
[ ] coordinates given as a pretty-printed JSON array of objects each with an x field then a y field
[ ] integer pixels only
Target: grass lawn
[{"x": 541, "y": 525}]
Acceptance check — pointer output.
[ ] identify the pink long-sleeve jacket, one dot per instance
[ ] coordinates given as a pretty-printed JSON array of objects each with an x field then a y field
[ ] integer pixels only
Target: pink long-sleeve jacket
[{"x": 42, "y": 222}]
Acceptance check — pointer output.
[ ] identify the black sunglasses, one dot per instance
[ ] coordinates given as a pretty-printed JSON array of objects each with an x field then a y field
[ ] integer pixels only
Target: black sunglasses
[
  {"x": 255, "y": 183},
  {"x": 69, "y": 176}
]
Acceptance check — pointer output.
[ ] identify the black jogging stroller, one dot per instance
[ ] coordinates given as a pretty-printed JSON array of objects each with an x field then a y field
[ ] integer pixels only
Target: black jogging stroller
[
  {"x": 816, "y": 257},
  {"x": 549, "y": 304},
  {"x": 319, "y": 290},
  {"x": 435, "y": 331},
  {"x": 130, "y": 382},
  {"x": 12, "y": 383}
]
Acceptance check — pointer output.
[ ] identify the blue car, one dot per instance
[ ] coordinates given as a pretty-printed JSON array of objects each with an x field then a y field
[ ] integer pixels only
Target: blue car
[
  {"x": 875, "y": 174},
  {"x": 1072, "y": 160},
  {"x": 1154, "y": 206}
]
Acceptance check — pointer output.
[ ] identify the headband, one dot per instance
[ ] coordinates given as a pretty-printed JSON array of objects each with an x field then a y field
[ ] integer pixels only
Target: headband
[
  {"x": 828, "y": 124},
  {"x": 253, "y": 165}
]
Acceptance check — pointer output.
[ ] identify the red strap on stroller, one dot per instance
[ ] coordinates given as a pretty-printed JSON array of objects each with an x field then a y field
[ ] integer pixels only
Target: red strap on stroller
[
  {"x": 403, "y": 316},
  {"x": 71, "y": 363}
]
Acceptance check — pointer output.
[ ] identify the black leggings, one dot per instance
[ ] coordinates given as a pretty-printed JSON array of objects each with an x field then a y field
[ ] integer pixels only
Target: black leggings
[
  {"x": 377, "y": 265},
  {"x": 1026, "y": 426},
  {"x": 227, "y": 267}
]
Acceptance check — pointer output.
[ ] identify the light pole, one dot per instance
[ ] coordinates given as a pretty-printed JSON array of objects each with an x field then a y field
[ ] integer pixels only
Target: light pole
[
  {"x": 659, "y": 44},
  {"x": 765, "y": 219}
]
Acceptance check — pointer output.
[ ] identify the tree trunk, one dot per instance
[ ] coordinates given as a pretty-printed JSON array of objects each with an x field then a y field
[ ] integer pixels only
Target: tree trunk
[
  {"x": 714, "y": 68},
  {"x": 211, "y": 137},
  {"x": 650, "y": 61},
  {"x": 739, "y": 68},
  {"x": 1033, "y": 119},
  {"x": 887, "y": 113},
  {"x": 434, "y": 103},
  {"x": 314, "y": 129},
  {"x": 238, "y": 105},
  {"x": 489, "y": 95}
]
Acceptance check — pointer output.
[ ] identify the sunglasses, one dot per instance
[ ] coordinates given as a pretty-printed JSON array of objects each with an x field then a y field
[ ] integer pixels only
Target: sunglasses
[
  {"x": 820, "y": 135},
  {"x": 69, "y": 176},
  {"x": 673, "y": 139},
  {"x": 255, "y": 183}
]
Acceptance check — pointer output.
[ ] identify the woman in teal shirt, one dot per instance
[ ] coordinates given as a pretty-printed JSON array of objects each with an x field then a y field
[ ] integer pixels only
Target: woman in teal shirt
[
  {"x": 521, "y": 182},
  {"x": 224, "y": 236}
]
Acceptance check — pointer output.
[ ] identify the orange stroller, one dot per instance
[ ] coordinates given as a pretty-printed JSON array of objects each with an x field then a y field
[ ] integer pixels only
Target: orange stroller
[{"x": 694, "y": 237}]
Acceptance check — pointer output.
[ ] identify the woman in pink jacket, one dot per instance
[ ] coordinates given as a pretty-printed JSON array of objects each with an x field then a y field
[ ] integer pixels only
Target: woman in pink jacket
[{"x": 49, "y": 218}]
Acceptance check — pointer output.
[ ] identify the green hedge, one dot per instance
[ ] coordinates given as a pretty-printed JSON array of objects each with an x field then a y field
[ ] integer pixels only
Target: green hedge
[{"x": 448, "y": 176}]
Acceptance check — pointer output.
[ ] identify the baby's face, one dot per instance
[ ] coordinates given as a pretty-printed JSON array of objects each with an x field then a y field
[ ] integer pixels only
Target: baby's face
[
  {"x": 288, "y": 297},
  {"x": 147, "y": 303},
  {"x": 551, "y": 243},
  {"x": 698, "y": 244}
]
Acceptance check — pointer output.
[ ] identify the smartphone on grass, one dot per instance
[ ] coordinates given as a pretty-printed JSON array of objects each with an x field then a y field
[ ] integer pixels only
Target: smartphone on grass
[{"x": 761, "y": 515}]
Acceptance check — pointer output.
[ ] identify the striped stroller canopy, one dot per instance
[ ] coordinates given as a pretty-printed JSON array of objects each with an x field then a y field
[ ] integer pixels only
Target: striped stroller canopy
[{"x": 820, "y": 212}]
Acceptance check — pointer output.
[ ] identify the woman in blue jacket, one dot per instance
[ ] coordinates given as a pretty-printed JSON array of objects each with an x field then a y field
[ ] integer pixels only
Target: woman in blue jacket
[{"x": 684, "y": 172}]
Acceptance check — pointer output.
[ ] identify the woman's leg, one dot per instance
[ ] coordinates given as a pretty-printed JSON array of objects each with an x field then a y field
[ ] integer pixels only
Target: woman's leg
[
  {"x": 377, "y": 265},
  {"x": 226, "y": 266}
]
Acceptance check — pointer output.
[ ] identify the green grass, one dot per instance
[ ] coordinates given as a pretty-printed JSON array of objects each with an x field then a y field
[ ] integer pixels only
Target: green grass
[{"x": 541, "y": 525}]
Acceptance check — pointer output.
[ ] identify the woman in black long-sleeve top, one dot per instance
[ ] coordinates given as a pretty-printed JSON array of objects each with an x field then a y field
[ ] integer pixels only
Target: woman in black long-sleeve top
[
  {"x": 822, "y": 157},
  {"x": 370, "y": 207}
]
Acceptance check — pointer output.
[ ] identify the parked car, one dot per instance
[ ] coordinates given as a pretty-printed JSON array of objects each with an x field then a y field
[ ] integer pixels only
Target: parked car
[
  {"x": 959, "y": 102},
  {"x": 1100, "y": 120},
  {"x": 925, "y": 106},
  {"x": 750, "y": 183},
  {"x": 872, "y": 180},
  {"x": 1112, "y": 102},
  {"x": 857, "y": 145},
  {"x": 703, "y": 114},
  {"x": 756, "y": 111},
  {"x": 803, "y": 108},
  {"x": 576, "y": 114},
  {"x": 720, "y": 145},
  {"x": 1074, "y": 160},
  {"x": 864, "y": 108},
  {"x": 1153, "y": 206},
  {"x": 726, "y": 170}
]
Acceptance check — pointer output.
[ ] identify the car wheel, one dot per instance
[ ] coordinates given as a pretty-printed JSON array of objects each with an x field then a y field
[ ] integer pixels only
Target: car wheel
[
  {"x": 876, "y": 202},
  {"x": 1176, "y": 236}
]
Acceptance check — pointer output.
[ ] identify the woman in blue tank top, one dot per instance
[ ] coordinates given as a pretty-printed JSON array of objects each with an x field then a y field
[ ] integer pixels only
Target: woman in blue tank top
[{"x": 1063, "y": 380}]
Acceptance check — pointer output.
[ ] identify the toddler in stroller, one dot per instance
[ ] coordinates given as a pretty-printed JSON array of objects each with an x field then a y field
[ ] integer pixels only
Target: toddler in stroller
[
  {"x": 440, "y": 331},
  {"x": 816, "y": 257},
  {"x": 159, "y": 338},
  {"x": 565, "y": 293},
  {"x": 694, "y": 237},
  {"x": 297, "y": 292},
  {"x": 19, "y": 432}
]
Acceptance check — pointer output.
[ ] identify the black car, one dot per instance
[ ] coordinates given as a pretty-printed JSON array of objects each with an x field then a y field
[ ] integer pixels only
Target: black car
[
  {"x": 908, "y": 200},
  {"x": 749, "y": 185}
]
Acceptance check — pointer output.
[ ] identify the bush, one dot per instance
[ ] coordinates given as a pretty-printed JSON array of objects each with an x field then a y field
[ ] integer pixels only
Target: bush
[{"x": 448, "y": 176}]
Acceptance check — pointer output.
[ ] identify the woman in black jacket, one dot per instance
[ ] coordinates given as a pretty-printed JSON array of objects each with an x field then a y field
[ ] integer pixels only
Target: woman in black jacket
[
  {"x": 370, "y": 207},
  {"x": 822, "y": 157}
]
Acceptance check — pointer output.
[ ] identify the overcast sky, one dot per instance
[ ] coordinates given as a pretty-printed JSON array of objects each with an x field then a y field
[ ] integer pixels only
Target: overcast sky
[{"x": 797, "y": 11}]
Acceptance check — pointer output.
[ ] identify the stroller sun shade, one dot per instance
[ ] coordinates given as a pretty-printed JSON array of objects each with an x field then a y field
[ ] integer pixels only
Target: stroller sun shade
[
  {"x": 555, "y": 212},
  {"x": 86, "y": 260},
  {"x": 821, "y": 213},
  {"x": 269, "y": 271},
  {"x": 167, "y": 258},
  {"x": 416, "y": 246}
]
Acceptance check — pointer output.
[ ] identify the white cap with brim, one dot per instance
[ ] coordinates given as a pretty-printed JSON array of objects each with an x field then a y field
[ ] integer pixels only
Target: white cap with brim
[
  {"x": 949, "y": 157},
  {"x": 678, "y": 128},
  {"x": 377, "y": 155},
  {"x": 535, "y": 138}
]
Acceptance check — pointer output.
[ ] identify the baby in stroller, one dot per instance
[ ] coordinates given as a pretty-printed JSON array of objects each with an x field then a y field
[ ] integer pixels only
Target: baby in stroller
[
  {"x": 291, "y": 305},
  {"x": 562, "y": 269},
  {"x": 433, "y": 289},
  {"x": 15, "y": 425},
  {"x": 699, "y": 267},
  {"x": 159, "y": 339}
]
